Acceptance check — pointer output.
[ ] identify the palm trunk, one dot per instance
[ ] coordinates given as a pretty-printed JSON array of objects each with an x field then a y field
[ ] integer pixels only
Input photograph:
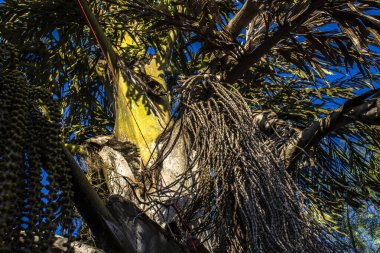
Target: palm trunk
[
  {"x": 135, "y": 121},
  {"x": 138, "y": 122}
]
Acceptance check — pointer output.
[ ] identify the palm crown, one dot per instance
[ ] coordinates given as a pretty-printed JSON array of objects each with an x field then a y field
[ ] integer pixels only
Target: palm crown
[{"x": 294, "y": 70}]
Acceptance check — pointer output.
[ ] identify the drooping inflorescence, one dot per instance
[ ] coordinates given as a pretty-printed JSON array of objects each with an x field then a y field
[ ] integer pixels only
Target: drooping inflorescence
[
  {"x": 243, "y": 199},
  {"x": 35, "y": 188}
]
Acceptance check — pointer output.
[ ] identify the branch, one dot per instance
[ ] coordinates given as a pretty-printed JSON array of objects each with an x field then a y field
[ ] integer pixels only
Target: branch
[
  {"x": 101, "y": 38},
  {"x": 364, "y": 108},
  {"x": 268, "y": 122},
  {"x": 75, "y": 247},
  {"x": 353, "y": 242},
  {"x": 119, "y": 226},
  {"x": 264, "y": 48},
  {"x": 242, "y": 18},
  {"x": 147, "y": 234},
  {"x": 60, "y": 245},
  {"x": 95, "y": 213}
]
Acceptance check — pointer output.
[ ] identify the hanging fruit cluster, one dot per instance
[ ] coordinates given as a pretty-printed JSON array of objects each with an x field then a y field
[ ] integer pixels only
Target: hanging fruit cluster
[{"x": 35, "y": 188}]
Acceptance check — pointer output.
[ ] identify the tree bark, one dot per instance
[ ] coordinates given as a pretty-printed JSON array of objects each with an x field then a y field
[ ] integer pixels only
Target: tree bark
[
  {"x": 358, "y": 109},
  {"x": 95, "y": 213},
  {"x": 246, "y": 61},
  {"x": 76, "y": 247},
  {"x": 242, "y": 18},
  {"x": 118, "y": 226}
]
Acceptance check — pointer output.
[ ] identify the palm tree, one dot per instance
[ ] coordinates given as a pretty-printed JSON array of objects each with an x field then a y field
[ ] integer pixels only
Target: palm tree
[{"x": 234, "y": 126}]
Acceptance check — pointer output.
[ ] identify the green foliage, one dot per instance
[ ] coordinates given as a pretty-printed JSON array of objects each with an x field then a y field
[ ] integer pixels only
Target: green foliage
[
  {"x": 364, "y": 225},
  {"x": 315, "y": 64}
]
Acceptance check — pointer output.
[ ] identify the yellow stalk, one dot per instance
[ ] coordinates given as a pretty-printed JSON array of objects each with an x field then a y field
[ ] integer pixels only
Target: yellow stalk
[{"x": 135, "y": 120}]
